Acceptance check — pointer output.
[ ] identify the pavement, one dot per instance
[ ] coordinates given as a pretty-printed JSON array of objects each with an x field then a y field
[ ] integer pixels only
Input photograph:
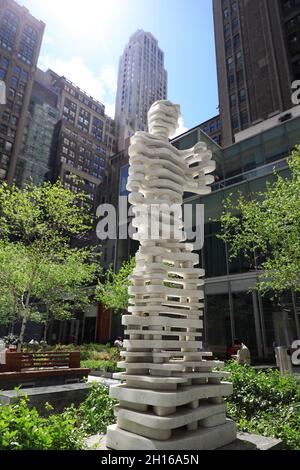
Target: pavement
[{"x": 244, "y": 441}]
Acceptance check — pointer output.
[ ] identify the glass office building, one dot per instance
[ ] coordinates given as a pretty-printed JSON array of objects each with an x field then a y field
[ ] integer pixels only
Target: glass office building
[{"x": 233, "y": 308}]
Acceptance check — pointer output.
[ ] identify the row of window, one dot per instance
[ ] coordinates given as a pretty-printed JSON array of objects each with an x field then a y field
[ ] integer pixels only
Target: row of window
[
  {"x": 231, "y": 28},
  {"x": 216, "y": 125},
  {"x": 84, "y": 120},
  {"x": 241, "y": 120},
  {"x": 100, "y": 109},
  {"x": 20, "y": 76},
  {"x": 239, "y": 98},
  {"x": 236, "y": 60},
  {"x": 8, "y": 33}
]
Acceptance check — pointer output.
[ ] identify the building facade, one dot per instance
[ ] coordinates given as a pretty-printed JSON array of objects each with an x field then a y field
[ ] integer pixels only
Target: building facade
[
  {"x": 258, "y": 54},
  {"x": 233, "y": 308},
  {"x": 67, "y": 136},
  {"x": 142, "y": 80},
  {"x": 213, "y": 128},
  {"x": 35, "y": 163},
  {"x": 84, "y": 139},
  {"x": 20, "y": 41}
]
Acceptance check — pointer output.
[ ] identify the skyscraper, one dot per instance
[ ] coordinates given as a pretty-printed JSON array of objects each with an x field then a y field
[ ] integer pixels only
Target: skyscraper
[
  {"x": 35, "y": 163},
  {"x": 20, "y": 41},
  {"x": 142, "y": 81},
  {"x": 83, "y": 137},
  {"x": 258, "y": 58}
]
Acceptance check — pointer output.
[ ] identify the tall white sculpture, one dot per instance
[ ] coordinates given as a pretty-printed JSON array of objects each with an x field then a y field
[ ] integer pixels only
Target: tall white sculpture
[{"x": 170, "y": 398}]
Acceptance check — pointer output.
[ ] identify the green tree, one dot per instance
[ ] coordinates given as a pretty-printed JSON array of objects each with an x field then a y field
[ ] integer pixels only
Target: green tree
[
  {"x": 44, "y": 255},
  {"x": 265, "y": 227},
  {"x": 112, "y": 291}
]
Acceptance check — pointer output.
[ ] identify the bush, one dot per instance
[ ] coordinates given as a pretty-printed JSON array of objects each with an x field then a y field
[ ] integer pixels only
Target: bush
[
  {"x": 105, "y": 366},
  {"x": 266, "y": 403},
  {"x": 94, "y": 351},
  {"x": 96, "y": 412},
  {"x": 22, "y": 428}
]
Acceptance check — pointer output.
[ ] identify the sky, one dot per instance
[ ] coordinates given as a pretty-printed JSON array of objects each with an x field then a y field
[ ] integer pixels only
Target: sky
[{"x": 84, "y": 40}]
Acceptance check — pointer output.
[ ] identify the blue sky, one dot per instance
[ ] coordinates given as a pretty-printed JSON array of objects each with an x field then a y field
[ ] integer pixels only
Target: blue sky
[{"x": 84, "y": 40}]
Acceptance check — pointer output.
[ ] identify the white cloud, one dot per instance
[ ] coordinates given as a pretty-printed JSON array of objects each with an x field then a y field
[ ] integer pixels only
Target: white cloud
[
  {"x": 100, "y": 86},
  {"x": 181, "y": 129},
  {"x": 110, "y": 110},
  {"x": 48, "y": 39}
]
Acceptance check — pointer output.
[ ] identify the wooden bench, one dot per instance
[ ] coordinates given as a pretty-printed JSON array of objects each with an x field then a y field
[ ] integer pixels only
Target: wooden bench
[{"x": 41, "y": 369}]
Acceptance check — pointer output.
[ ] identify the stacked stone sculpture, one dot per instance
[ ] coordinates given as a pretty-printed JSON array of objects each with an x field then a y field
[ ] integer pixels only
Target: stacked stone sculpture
[{"x": 170, "y": 398}]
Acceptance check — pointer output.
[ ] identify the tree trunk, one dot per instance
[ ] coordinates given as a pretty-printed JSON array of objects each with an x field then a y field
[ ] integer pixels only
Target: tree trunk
[
  {"x": 46, "y": 329},
  {"x": 22, "y": 333}
]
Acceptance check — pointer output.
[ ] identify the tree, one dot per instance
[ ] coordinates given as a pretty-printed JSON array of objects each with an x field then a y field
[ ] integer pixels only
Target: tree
[
  {"x": 266, "y": 228},
  {"x": 112, "y": 292},
  {"x": 40, "y": 261}
]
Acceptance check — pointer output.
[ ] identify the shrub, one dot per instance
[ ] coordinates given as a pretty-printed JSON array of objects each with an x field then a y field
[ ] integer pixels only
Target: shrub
[
  {"x": 21, "y": 428},
  {"x": 105, "y": 366},
  {"x": 266, "y": 403},
  {"x": 96, "y": 412}
]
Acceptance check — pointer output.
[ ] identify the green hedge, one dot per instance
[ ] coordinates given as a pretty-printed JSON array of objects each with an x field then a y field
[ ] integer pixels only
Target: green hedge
[
  {"x": 22, "y": 428},
  {"x": 265, "y": 403},
  {"x": 105, "y": 366}
]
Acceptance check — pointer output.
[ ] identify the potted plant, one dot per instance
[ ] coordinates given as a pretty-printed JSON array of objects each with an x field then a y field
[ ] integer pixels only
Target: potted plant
[{"x": 11, "y": 342}]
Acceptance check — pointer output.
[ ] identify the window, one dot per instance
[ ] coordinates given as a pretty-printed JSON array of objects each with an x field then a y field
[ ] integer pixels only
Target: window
[
  {"x": 226, "y": 13},
  {"x": 232, "y": 100},
  {"x": 4, "y": 63},
  {"x": 229, "y": 63},
  {"x": 11, "y": 93},
  {"x": 227, "y": 30},
  {"x": 28, "y": 45},
  {"x": 242, "y": 95},
  {"x": 235, "y": 121},
  {"x": 240, "y": 77},
  {"x": 238, "y": 59},
  {"x": 228, "y": 47},
  {"x": 231, "y": 81},
  {"x": 14, "y": 82},
  {"x": 244, "y": 118},
  {"x": 24, "y": 76},
  {"x": 235, "y": 25},
  {"x": 8, "y": 30},
  {"x": 237, "y": 41},
  {"x": 2, "y": 74}
]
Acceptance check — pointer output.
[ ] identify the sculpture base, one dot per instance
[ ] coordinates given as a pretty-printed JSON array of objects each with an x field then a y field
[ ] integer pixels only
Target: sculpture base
[{"x": 202, "y": 439}]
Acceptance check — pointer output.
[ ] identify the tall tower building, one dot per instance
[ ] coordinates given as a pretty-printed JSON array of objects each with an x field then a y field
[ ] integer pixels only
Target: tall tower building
[
  {"x": 142, "y": 81},
  {"x": 258, "y": 58},
  {"x": 20, "y": 41}
]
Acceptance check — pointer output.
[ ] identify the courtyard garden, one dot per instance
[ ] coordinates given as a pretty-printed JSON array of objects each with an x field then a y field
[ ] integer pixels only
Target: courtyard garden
[
  {"x": 94, "y": 356},
  {"x": 265, "y": 403}
]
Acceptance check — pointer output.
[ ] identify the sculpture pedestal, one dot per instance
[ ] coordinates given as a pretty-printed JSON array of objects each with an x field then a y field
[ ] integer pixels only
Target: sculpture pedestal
[{"x": 202, "y": 439}]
